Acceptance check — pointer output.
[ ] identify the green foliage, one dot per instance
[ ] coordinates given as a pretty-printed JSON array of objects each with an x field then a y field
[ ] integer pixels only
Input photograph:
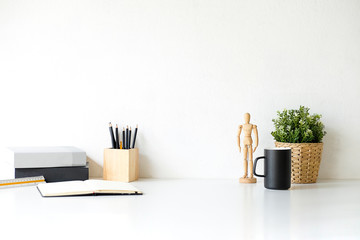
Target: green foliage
[{"x": 298, "y": 126}]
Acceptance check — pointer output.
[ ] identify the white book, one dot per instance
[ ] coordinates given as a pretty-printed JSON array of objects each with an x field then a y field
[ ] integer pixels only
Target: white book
[
  {"x": 42, "y": 157},
  {"x": 87, "y": 187}
]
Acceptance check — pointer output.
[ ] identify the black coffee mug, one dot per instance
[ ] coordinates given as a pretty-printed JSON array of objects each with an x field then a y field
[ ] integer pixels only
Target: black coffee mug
[{"x": 277, "y": 168}]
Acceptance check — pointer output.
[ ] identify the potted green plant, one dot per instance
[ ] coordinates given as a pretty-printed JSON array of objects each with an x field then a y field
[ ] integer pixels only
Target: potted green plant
[{"x": 303, "y": 133}]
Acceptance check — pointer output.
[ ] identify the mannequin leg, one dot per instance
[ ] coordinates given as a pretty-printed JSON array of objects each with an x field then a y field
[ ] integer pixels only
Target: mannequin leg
[
  {"x": 251, "y": 161},
  {"x": 245, "y": 162}
]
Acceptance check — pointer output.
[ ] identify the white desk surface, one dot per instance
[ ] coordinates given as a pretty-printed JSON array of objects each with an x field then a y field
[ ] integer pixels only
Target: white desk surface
[{"x": 188, "y": 209}]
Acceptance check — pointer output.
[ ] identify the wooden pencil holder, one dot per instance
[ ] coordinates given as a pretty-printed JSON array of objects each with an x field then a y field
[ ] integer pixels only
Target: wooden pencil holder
[{"x": 121, "y": 164}]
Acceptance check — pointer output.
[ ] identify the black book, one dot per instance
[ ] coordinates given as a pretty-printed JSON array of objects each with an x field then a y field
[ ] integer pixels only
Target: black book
[{"x": 55, "y": 174}]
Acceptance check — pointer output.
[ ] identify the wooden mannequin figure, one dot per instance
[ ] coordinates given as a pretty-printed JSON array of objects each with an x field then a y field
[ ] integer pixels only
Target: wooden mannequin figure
[{"x": 248, "y": 128}]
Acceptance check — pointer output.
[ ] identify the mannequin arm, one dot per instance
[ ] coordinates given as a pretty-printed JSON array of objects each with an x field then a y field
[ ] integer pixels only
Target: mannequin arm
[
  {"x": 256, "y": 137},
  {"x": 238, "y": 137}
]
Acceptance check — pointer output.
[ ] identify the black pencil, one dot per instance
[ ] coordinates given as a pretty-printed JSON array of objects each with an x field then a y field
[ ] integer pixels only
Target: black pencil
[
  {"x": 127, "y": 137},
  {"x": 117, "y": 137},
  {"x": 123, "y": 137},
  {"x": 129, "y": 141},
  {"x": 112, "y": 135},
  {"x": 133, "y": 145}
]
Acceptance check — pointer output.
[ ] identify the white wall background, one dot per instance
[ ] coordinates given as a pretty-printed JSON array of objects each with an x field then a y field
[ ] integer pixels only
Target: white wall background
[{"x": 185, "y": 71}]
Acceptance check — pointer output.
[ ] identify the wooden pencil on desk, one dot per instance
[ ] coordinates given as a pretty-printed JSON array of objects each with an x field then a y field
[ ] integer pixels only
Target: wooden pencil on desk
[
  {"x": 127, "y": 137},
  {"x": 123, "y": 139},
  {"x": 129, "y": 140},
  {"x": 133, "y": 145},
  {"x": 117, "y": 137},
  {"x": 112, "y": 136}
]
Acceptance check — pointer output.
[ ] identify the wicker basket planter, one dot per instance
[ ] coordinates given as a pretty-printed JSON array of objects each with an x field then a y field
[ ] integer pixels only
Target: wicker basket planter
[{"x": 305, "y": 161}]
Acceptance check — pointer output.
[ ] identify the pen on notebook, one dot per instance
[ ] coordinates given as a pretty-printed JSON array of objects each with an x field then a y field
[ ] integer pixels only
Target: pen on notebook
[
  {"x": 129, "y": 138},
  {"x": 133, "y": 145},
  {"x": 123, "y": 137},
  {"x": 112, "y": 135},
  {"x": 117, "y": 137}
]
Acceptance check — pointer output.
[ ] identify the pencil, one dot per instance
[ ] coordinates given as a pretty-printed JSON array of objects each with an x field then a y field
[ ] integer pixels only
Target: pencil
[
  {"x": 123, "y": 137},
  {"x": 127, "y": 137},
  {"x": 129, "y": 141},
  {"x": 133, "y": 145},
  {"x": 117, "y": 137},
  {"x": 112, "y": 135}
]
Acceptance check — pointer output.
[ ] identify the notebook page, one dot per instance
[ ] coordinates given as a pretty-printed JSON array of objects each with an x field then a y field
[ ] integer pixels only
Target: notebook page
[
  {"x": 104, "y": 185},
  {"x": 64, "y": 188}
]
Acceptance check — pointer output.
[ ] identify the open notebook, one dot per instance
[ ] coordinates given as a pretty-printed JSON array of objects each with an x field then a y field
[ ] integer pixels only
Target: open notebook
[{"x": 87, "y": 187}]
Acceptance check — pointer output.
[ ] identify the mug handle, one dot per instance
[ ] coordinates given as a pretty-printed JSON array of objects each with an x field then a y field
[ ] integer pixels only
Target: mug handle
[{"x": 256, "y": 159}]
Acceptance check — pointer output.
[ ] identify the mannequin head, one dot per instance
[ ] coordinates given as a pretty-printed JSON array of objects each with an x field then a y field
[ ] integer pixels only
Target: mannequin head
[{"x": 247, "y": 118}]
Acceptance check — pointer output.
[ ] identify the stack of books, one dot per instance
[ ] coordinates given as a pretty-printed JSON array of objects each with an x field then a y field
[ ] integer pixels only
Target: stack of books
[{"x": 56, "y": 164}]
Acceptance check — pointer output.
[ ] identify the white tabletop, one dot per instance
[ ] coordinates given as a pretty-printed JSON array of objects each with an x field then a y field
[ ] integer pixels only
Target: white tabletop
[{"x": 188, "y": 209}]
